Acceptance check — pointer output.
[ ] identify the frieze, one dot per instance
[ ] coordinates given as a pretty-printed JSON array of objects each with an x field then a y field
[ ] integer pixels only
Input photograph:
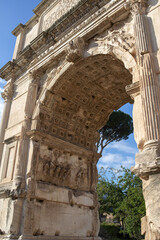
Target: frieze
[
  {"x": 62, "y": 169},
  {"x": 55, "y": 33},
  {"x": 62, "y": 7}
]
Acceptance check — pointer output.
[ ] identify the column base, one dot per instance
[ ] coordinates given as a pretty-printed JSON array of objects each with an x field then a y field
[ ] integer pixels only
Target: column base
[
  {"x": 28, "y": 237},
  {"x": 147, "y": 163}
]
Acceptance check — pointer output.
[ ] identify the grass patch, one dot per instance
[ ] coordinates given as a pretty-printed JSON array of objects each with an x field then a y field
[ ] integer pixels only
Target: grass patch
[{"x": 110, "y": 231}]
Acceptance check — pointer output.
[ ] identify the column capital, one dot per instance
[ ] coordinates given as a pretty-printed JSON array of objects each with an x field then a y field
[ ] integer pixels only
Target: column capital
[
  {"x": 35, "y": 76},
  {"x": 138, "y": 6},
  {"x": 8, "y": 92}
]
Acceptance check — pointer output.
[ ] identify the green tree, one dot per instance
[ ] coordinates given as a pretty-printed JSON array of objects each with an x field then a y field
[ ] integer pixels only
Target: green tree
[
  {"x": 109, "y": 193},
  {"x": 132, "y": 208},
  {"x": 118, "y": 127},
  {"x": 122, "y": 195}
]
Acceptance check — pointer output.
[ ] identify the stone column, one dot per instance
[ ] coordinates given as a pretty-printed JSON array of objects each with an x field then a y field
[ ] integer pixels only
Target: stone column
[
  {"x": 148, "y": 161},
  {"x": 149, "y": 86},
  {"x": 7, "y": 96}
]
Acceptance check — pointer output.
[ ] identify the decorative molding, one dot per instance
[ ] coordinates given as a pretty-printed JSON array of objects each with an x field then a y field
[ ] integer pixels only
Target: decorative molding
[
  {"x": 139, "y": 6},
  {"x": 61, "y": 144},
  {"x": 133, "y": 89},
  {"x": 63, "y": 30}
]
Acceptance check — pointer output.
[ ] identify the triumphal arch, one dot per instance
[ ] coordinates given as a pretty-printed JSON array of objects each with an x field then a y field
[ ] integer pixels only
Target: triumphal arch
[{"x": 74, "y": 62}]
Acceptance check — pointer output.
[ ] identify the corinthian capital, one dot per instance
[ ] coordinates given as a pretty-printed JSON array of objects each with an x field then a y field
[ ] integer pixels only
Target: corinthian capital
[
  {"x": 138, "y": 6},
  {"x": 8, "y": 92},
  {"x": 35, "y": 76}
]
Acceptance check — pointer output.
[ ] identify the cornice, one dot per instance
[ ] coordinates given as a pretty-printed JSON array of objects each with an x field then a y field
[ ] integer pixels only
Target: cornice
[
  {"x": 21, "y": 26},
  {"x": 42, "y": 6},
  {"x": 83, "y": 14},
  {"x": 18, "y": 29}
]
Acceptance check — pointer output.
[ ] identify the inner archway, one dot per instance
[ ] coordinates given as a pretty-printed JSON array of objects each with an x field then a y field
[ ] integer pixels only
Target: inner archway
[
  {"x": 66, "y": 125},
  {"x": 80, "y": 101}
]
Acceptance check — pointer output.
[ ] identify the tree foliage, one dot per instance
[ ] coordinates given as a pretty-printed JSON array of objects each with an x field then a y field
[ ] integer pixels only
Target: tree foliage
[
  {"x": 118, "y": 127},
  {"x": 122, "y": 195}
]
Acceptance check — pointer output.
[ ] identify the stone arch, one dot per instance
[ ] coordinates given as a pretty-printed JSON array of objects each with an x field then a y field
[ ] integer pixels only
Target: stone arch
[
  {"x": 76, "y": 103},
  {"x": 92, "y": 84},
  {"x": 123, "y": 51},
  {"x": 55, "y": 159}
]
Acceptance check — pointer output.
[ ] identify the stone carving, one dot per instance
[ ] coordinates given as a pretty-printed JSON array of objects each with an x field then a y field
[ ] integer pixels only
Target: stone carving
[
  {"x": 139, "y": 6},
  {"x": 8, "y": 92},
  {"x": 63, "y": 7},
  {"x": 56, "y": 170},
  {"x": 119, "y": 38},
  {"x": 59, "y": 107},
  {"x": 80, "y": 176},
  {"x": 53, "y": 167},
  {"x": 17, "y": 191},
  {"x": 112, "y": 3},
  {"x": 60, "y": 173},
  {"x": 75, "y": 49}
]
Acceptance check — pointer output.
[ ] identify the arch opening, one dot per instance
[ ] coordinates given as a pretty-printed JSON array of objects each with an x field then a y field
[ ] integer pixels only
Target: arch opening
[
  {"x": 80, "y": 101},
  {"x": 71, "y": 112}
]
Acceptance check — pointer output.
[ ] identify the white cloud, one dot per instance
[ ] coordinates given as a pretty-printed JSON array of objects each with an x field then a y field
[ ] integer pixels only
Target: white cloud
[
  {"x": 116, "y": 160},
  {"x": 2, "y": 81},
  {"x": 111, "y": 158},
  {"x": 1, "y": 90},
  {"x": 123, "y": 147}
]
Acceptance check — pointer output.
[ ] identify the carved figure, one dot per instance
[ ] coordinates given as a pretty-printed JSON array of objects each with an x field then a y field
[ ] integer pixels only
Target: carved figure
[{"x": 75, "y": 49}]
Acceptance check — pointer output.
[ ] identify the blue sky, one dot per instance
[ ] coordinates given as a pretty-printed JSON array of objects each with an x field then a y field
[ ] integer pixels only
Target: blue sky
[{"x": 13, "y": 12}]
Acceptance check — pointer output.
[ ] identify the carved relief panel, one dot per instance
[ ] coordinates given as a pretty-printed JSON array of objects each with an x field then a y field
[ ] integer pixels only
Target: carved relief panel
[
  {"x": 56, "y": 12},
  {"x": 63, "y": 168}
]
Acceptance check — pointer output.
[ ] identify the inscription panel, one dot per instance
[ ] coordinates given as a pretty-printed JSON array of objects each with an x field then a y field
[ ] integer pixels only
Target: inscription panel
[{"x": 56, "y": 12}]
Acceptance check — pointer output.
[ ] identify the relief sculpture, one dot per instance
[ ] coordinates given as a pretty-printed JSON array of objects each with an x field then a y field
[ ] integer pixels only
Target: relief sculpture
[
  {"x": 57, "y": 170},
  {"x": 63, "y": 7}
]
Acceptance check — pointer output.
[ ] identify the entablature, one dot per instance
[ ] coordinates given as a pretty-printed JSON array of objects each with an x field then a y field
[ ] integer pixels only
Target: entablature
[{"x": 85, "y": 19}]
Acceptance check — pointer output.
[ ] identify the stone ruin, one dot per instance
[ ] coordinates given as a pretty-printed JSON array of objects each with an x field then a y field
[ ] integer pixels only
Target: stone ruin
[{"x": 75, "y": 61}]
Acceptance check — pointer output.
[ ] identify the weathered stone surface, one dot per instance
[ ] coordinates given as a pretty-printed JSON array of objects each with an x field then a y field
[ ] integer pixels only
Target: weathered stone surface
[{"x": 72, "y": 65}]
